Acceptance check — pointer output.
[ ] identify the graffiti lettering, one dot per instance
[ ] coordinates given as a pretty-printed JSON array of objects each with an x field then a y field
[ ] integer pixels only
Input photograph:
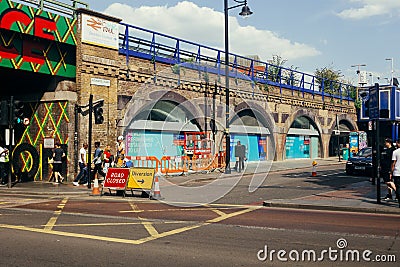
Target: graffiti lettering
[
  {"x": 30, "y": 51},
  {"x": 43, "y": 27}
]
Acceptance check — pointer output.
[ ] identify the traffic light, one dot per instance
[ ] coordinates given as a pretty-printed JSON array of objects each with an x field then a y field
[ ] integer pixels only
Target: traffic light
[
  {"x": 98, "y": 114},
  {"x": 3, "y": 113},
  {"x": 19, "y": 113}
]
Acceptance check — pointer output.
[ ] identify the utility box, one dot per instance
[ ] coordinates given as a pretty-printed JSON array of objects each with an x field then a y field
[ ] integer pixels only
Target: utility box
[{"x": 345, "y": 153}]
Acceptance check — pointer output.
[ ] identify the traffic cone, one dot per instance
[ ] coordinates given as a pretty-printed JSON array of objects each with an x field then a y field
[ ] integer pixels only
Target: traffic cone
[
  {"x": 314, "y": 169},
  {"x": 156, "y": 190},
  {"x": 95, "y": 190}
]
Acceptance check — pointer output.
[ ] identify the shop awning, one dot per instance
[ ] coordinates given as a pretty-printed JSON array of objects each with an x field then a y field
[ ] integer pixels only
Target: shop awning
[
  {"x": 243, "y": 129},
  {"x": 309, "y": 132},
  {"x": 163, "y": 126}
]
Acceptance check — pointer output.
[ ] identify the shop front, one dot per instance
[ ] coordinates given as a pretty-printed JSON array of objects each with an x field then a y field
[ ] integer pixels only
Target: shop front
[
  {"x": 254, "y": 138},
  {"x": 302, "y": 140},
  {"x": 155, "y": 138}
]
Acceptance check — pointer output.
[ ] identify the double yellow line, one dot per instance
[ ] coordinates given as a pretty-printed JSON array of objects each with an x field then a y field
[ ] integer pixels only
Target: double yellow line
[{"x": 50, "y": 224}]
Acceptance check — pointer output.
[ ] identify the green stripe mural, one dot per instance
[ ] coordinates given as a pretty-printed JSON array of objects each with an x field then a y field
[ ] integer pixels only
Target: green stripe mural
[
  {"x": 48, "y": 120},
  {"x": 36, "y": 40}
]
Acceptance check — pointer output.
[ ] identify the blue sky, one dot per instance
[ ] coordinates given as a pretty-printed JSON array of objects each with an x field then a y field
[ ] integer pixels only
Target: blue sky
[{"x": 309, "y": 34}]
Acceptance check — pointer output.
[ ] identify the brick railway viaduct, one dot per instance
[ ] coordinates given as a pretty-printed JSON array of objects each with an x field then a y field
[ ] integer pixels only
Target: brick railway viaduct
[{"x": 140, "y": 73}]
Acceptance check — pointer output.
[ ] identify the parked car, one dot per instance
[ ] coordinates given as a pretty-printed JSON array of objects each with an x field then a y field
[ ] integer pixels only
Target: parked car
[{"x": 361, "y": 163}]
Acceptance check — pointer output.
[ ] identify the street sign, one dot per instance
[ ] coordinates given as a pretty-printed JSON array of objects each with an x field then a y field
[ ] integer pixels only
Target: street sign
[
  {"x": 141, "y": 178},
  {"x": 100, "y": 82},
  {"x": 116, "y": 178},
  {"x": 48, "y": 142},
  {"x": 374, "y": 102}
]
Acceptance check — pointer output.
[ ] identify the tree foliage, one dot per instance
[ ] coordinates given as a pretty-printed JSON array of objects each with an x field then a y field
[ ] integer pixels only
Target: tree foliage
[
  {"x": 328, "y": 80},
  {"x": 277, "y": 73}
]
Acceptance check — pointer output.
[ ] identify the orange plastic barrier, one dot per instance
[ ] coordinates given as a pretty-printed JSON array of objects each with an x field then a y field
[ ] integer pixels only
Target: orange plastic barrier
[
  {"x": 171, "y": 164},
  {"x": 208, "y": 161},
  {"x": 145, "y": 162},
  {"x": 180, "y": 164}
]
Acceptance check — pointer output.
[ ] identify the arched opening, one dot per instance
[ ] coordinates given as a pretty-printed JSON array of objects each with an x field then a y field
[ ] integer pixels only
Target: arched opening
[
  {"x": 303, "y": 139},
  {"x": 158, "y": 130},
  {"x": 340, "y": 137},
  {"x": 253, "y": 131}
]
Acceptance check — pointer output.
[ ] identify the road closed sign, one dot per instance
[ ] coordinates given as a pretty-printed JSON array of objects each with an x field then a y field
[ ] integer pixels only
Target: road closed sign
[
  {"x": 141, "y": 178},
  {"x": 116, "y": 178}
]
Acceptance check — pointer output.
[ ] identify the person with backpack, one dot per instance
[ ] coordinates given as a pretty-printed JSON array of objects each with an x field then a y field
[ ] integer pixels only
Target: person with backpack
[{"x": 98, "y": 161}]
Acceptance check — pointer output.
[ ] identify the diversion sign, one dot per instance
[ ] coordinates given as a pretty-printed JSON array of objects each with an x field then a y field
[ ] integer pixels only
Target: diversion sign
[{"x": 141, "y": 178}]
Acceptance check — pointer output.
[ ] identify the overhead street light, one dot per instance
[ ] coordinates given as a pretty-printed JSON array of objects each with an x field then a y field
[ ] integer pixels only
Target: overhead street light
[
  {"x": 358, "y": 71},
  {"x": 245, "y": 12},
  {"x": 391, "y": 75}
]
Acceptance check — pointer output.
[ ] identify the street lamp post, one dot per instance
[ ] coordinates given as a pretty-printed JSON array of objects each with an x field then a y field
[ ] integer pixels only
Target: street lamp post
[
  {"x": 245, "y": 12},
  {"x": 371, "y": 78},
  {"x": 391, "y": 72},
  {"x": 358, "y": 71},
  {"x": 359, "y": 77}
]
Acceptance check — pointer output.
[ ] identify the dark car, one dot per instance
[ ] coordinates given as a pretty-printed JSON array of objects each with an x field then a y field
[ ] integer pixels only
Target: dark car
[{"x": 361, "y": 163}]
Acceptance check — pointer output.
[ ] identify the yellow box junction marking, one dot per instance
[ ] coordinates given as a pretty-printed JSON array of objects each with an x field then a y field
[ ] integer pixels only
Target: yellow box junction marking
[{"x": 149, "y": 227}]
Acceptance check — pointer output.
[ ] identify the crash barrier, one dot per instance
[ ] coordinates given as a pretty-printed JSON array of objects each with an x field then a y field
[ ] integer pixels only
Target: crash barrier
[
  {"x": 144, "y": 162},
  {"x": 174, "y": 164}
]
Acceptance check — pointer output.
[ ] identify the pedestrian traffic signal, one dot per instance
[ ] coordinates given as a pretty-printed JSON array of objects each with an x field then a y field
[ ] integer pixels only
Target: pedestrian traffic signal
[
  {"x": 98, "y": 114},
  {"x": 19, "y": 113},
  {"x": 3, "y": 113}
]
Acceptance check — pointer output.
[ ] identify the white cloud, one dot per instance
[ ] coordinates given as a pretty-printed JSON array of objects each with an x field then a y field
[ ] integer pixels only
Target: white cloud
[
  {"x": 369, "y": 8},
  {"x": 204, "y": 25}
]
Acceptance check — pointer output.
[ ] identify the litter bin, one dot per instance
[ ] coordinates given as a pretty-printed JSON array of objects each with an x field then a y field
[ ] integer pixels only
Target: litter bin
[{"x": 345, "y": 153}]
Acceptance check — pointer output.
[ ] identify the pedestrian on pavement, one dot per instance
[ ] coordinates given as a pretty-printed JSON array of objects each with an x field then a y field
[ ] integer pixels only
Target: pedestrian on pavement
[
  {"x": 58, "y": 155},
  {"x": 120, "y": 161},
  {"x": 396, "y": 170},
  {"x": 82, "y": 177},
  {"x": 240, "y": 153},
  {"x": 4, "y": 167},
  {"x": 386, "y": 167},
  {"x": 50, "y": 162},
  {"x": 120, "y": 146},
  {"x": 98, "y": 161},
  {"x": 107, "y": 158}
]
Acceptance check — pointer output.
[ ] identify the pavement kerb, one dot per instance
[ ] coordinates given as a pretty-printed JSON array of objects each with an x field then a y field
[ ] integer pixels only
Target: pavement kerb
[
  {"x": 273, "y": 204},
  {"x": 207, "y": 175},
  {"x": 53, "y": 191},
  {"x": 307, "y": 167},
  {"x": 44, "y": 192}
]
